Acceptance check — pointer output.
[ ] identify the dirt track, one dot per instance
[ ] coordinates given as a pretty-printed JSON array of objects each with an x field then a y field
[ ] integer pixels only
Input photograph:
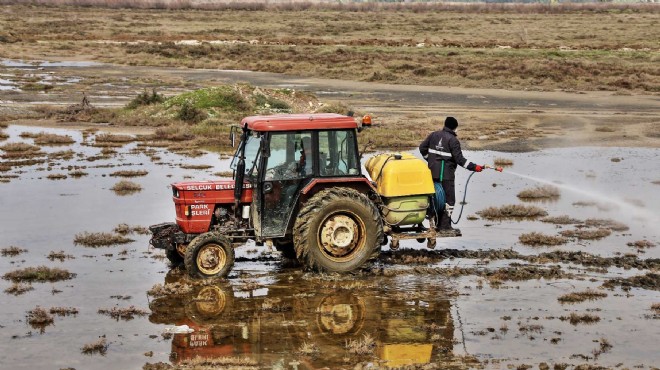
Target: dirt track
[{"x": 553, "y": 119}]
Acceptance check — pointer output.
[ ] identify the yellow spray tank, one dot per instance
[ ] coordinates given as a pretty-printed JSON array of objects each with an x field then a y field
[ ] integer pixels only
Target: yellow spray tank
[{"x": 405, "y": 184}]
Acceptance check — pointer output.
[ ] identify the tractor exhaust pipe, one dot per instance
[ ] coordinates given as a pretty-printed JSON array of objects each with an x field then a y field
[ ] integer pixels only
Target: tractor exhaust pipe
[{"x": 240, "y": 172}]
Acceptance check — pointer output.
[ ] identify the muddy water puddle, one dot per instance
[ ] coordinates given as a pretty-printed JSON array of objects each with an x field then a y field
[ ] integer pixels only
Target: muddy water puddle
[{"x": 276, "y": 316}]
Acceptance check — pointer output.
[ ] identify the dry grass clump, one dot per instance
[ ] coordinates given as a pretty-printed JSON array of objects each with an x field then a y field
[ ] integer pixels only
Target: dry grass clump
[
  {"x": 125, "y": 187},
  {"x": 19, "y": 288},
  {"x": 12, "y": 251},
  {"x": 561, "y": 220},
  {"x": 100, "y": 347},
  {"x": 112, "y": 138},
  {"x": 19, "y": 147},
  {"x": 100, "y": 239},
  {"x": 224, "y": 174},
  {"x": 61, "y": 256},
  {"x": 536, "y": 239},
  {"x": 124, "y": 229},
  {"x": 44, "y": 138},
  {"x": 62, "y": 154},
  {"x": 56, "y": 176},
  {"x": 78, "y": 173},
  {"x": 3, "y": 136},
  {"x": 540, "y": 192},
  {"x": 309, "y": 349},
  {"x": 575, "y": 318},
  {"x": 39, "y": 317},
  {"x": 582, "y": 234},
  {"x": 641, "y": 244},
  {"x": 129, "y": 173},
  {"x": 177, "y": 288},
  {"x": 512, "y": 211},
  {"x": 20, "y": 151},
  {"x": 577, "y": 297},
  {"x": 63, "y": 311},
  {"x": 606, "y": 223},
  {"x": 39, "y": 274},
  {"x": 127, "y": 313},
  {"x": 196, "y": 166},
  {"x": 503, "y": 162},
  {"x": 361, "y": 346},
  {"x": 656, "y": 307}
]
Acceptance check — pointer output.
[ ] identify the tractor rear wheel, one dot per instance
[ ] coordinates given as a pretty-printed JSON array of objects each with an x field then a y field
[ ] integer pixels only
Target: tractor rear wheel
[
  {"x": 338, "y": 230},
  {"x": 209, "y": 255}
]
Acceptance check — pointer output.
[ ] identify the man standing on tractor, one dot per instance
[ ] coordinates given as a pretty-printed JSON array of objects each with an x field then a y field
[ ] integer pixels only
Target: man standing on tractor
[{"x": 442, "y": 151}]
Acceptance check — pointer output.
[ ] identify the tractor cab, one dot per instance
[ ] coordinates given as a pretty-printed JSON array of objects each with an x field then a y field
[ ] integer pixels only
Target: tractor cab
[{"x": 284, "y": 154}]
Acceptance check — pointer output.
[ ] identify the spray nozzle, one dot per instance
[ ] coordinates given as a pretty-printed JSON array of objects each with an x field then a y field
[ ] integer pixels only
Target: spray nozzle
[{"x": 498, "y": 169}]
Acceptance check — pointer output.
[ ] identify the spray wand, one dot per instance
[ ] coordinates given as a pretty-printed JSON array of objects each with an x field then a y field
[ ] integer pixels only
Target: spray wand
[{"x": 486, "y": 166}]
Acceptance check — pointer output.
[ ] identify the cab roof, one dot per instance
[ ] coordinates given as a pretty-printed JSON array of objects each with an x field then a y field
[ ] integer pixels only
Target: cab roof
[{"x": 296, "y": 122}]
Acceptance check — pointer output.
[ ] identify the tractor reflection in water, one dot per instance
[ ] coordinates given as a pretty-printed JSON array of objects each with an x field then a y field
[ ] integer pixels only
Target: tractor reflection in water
[{"x": 272, "y": 324}]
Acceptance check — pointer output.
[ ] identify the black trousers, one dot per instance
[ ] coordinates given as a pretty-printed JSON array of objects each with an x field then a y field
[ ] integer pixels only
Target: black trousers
[
  {"x": 450, "y": 190},
  {"x": 444, "y": 222}
]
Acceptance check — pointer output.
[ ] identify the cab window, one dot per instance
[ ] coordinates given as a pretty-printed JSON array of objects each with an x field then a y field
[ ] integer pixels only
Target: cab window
[{"x": 338, "y": 154}]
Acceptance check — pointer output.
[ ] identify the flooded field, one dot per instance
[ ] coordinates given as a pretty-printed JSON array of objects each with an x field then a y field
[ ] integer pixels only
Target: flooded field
[{"x": 485, "y": 299}]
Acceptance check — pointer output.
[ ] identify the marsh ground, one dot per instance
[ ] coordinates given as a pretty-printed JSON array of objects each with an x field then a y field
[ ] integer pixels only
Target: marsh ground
[{"x": 586, "y": 122}]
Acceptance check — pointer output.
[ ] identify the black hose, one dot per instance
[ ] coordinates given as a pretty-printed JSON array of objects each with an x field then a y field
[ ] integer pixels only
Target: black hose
[{"x": 463, "y": 201}]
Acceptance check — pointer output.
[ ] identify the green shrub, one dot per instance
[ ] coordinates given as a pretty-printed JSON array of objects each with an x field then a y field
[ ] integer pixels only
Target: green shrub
[{"x": 145, "y": 98}]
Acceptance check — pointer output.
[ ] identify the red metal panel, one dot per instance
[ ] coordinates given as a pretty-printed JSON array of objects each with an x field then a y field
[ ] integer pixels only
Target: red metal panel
[
  {"x": 296, "y": 122},
  {"x": 202, "y": 196}
]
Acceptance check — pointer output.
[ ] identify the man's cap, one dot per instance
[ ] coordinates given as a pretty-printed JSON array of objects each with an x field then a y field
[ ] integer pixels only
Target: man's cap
[{"x": 451, "y": 122}]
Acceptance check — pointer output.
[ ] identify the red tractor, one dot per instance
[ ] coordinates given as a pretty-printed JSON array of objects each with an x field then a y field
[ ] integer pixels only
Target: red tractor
[{"x": 298, "y": 186}]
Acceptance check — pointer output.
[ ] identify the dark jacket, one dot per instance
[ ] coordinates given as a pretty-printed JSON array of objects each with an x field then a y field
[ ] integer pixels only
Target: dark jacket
[{"x": 442, "y": 148}]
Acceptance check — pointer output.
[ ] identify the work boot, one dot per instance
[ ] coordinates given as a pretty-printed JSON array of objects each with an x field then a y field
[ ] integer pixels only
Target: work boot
[{"x": 444, "y": 226}]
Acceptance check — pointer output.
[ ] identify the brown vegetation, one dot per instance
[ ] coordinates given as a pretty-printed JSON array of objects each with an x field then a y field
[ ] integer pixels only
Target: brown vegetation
[
  {"x": 196, "y": 166},
  {"x": 575, "y": 318},
  {"x": 100, "y": 239},
  {"x": 44, "y": 138},
  {"x": 577, "y": 297},
  {"x": 61, "y": 256},
  {"x": 536, "y": 239},
  {"x": 540, "y": 192},
  {"x": 56, "y": 176},
  {"x": 100, "y": 347},
  {"x": 650, "y": 280},
  {"x": 39, "y": 318},
  {"x": 129, "y": 173},
  {"x": 561, "y": 220},
  {"x": 364, "y": 345},
  {"x": 111, "y": 138},
  {"x": 641, "y": 244},
  {"x": 39, "y": 274},
  {"x": 78, "y": 173},
  {"x": 63, "y": 311},
  {"x": 19, "y": 288},
  {"x": 12, "y": 251},
  {"x": 127, "y": 313},
  {"x": 503, "y": 162},
  {"x": 583, "y": 234},
  {"x": 472, "y": 45},
  {"x": 514, "y": 211},
  {"x": 125, "y": 187},
  {"x": 20, "y": 150},
  {"x": 124, "y": 229}
]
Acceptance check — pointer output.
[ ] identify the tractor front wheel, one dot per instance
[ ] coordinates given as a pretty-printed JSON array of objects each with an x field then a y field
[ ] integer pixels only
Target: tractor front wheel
[
  {"x": 209, "y": 255},
  {"x": 338, "y": 230}
]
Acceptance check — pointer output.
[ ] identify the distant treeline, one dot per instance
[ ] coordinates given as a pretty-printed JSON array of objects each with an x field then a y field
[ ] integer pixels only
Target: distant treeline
[{"x": 500, "y": 6}]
